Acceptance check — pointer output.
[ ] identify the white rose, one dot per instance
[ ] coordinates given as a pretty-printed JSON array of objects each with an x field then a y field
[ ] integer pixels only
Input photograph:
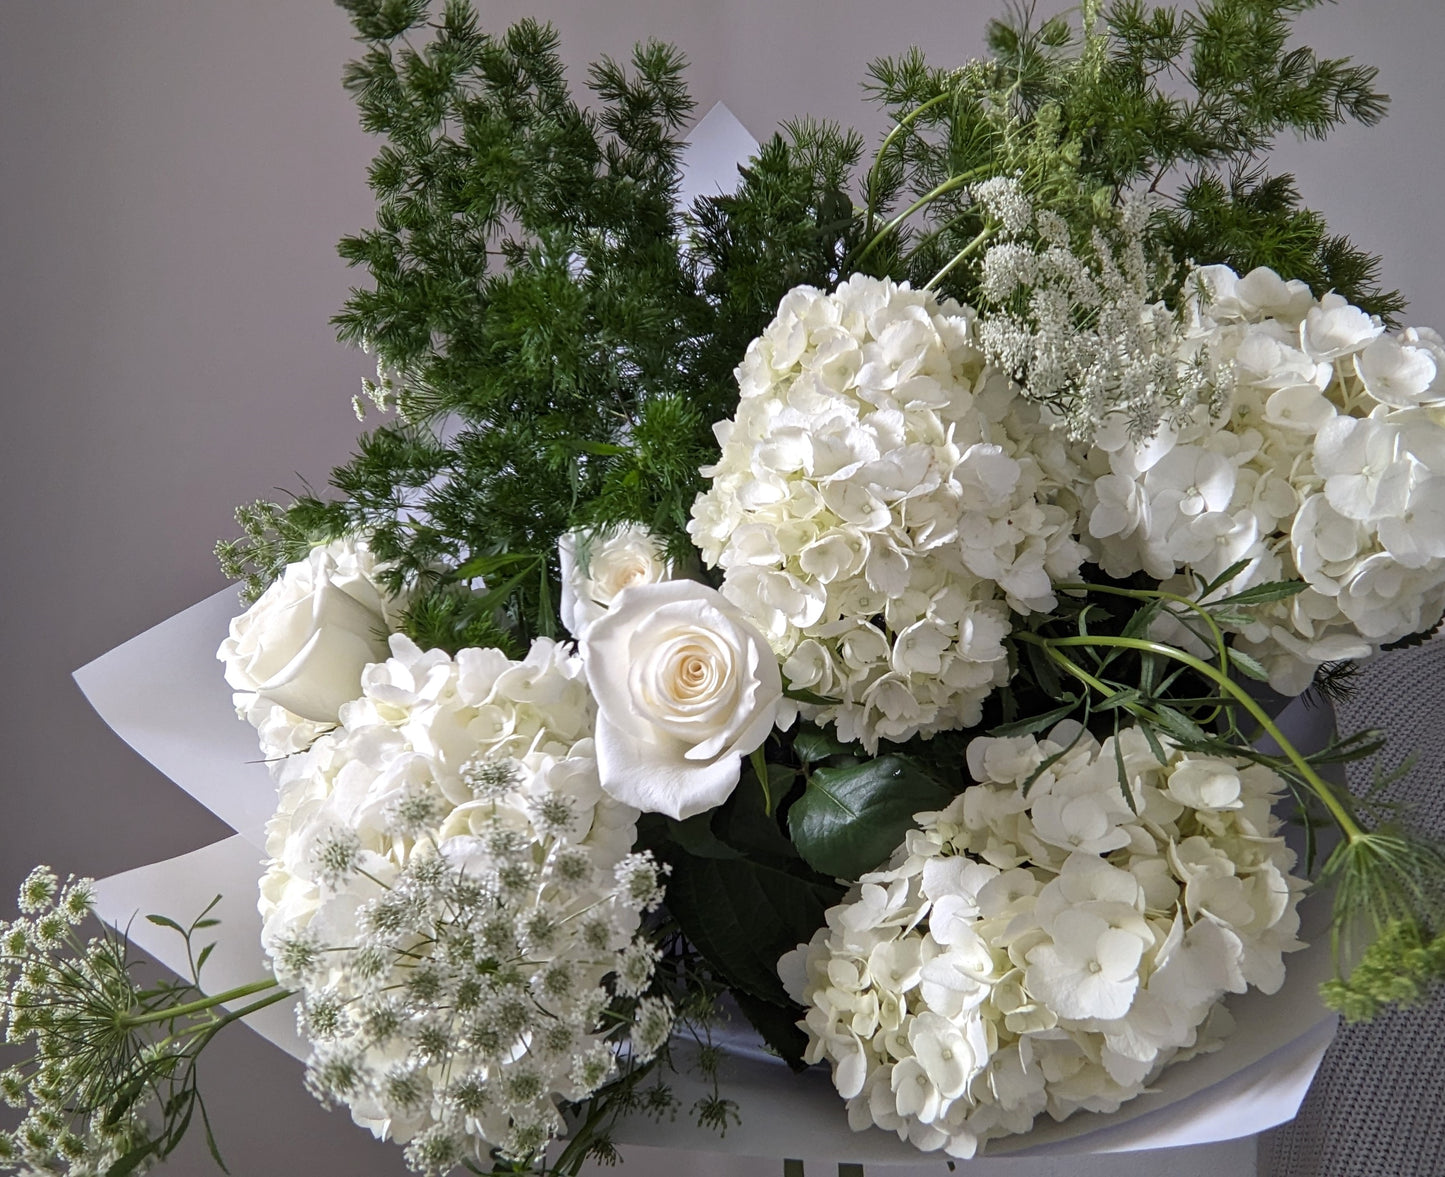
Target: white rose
[
  {"x": 629, "y": 555},
  {"x": 304, "y": 643},
  {"x": 685, "y": 687}
]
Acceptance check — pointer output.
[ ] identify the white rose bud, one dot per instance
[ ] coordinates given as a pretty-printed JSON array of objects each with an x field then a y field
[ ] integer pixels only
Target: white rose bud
[
  {"x": 685, "y": 688},
  {"x": 304, "y": 643},
  {"x": 630, "y": 555}
]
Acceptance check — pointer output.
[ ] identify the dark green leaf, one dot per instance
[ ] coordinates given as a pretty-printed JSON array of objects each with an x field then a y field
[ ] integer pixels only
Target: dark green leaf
[
  {"x": 742, "y": 821},
  {"x": 813, "y": 744},
  {"x": 695, "y": 835},
  {"x": 1121, "y": 698},
  {"x": 484, "y": 565},
  {"x": 1152, "y": 737},
  {"x": 1262, "y": 594},
  {"x": 743, "y": 915},
  {"x": 849, "y": 819},
  {"x": 131, "y": 1160},
  {"x": 1049, "y": 761},
  {"x": 1045, "y": 672},
  {"x": 165, "y": 921},
  {"x": 1138, "y": 624},
  {"x": 1036, "y": 723},
  {"x": 1207, "y": 587},
  {"x": 778, "y": 1024},
  {"x": 1179, "y": 725}
]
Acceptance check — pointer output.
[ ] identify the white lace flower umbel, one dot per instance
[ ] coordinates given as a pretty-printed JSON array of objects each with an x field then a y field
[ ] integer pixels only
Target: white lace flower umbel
[{"x": 455, "y": 896}]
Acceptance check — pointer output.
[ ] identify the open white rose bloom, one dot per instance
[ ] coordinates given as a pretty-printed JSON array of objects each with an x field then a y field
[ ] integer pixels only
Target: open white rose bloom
[{"x": 791, "y": 677}]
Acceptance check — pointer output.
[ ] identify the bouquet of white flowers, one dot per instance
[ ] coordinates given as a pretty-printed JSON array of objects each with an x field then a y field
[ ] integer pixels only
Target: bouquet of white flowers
[{"x": 849, "y": 605}]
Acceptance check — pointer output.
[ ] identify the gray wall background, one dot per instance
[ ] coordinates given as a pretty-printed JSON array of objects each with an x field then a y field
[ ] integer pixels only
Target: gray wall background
[{"x": 175, "y": 176}]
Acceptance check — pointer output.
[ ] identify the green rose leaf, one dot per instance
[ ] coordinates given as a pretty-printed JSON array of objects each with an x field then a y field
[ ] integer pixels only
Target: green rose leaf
[
  {"x": 850, "y": 819},
  {"x": 743, "y": 915}
]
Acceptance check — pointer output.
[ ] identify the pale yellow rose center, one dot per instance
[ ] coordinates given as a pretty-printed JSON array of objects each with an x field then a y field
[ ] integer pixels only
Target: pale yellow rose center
[{"x": 693, "y": 673}]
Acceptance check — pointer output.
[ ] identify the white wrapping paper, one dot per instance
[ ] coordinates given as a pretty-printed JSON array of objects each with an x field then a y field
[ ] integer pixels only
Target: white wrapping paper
[{"x": 164, "y": 694}]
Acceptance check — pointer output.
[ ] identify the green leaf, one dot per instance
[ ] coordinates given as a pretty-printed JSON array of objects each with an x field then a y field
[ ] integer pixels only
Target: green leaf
[
  {"x": 1121, "y": 698},
  {"x": 1207, "y": 587},
  {"x": 1249, "y": 665},
  {"x": 758, "y": 762},
  {"x": 1152, "y": 737},
  {"x": 695, "y": 836},
  {"x": 131, "y": 1160},
  {"x": 1037, "y": 723},
  {"x": 602, "y": 449},
  {"x": 165, "y": 921},
  {"x": 778, "y": 1024},
  {"x": 849, "y": 819},
  {"x": 802, "y": 696},
  {"x": 1045, "y": 673},
  {"x": 483, "y": 565},
  {"x": 1179, "y": 725},
  {"x": 1262, "y": 594},
  {"x": 813, "y": 744},
  {"x": 1139, "y": 621},
  {"x": 743, "y": 823},
  {"x": 743, "y": 915}
]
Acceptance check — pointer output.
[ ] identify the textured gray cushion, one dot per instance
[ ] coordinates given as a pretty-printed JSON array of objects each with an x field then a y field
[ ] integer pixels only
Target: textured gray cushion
[{"x": 1377, "y": 1107}]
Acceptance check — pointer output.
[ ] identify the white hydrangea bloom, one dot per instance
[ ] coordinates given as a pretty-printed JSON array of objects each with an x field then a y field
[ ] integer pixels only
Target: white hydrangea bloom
[
  {"x": 882, "y": 500},
  {"x": 451, "y": 889},
  {"x": 297, "y": 654},
  {"x": 1051, "y": 951},
  {"x": 1327, "y": 464}
]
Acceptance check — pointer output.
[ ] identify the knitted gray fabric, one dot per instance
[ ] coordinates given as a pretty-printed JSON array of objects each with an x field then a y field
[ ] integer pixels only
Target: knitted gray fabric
[{"x": 1377, "y": 1107}]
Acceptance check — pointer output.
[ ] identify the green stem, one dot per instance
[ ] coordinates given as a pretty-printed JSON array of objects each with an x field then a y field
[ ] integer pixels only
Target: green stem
[
  {"x": 923, "y": 201},
  {"x": 968, "y": 250},
  {"x": 576, "y": 1151},
  {"x": 1156, "y": 595},
  {"x": 903, "y": 124},
  {"x": 128, "y": 1021},
  {"x": 1317, "y": 783}
]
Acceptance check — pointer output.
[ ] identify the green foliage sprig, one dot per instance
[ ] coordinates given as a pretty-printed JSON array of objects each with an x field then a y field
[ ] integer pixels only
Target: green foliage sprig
[{"x": 1180, "y": 103}]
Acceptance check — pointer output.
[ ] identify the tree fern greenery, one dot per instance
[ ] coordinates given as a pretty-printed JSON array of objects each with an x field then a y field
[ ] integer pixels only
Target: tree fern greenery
[{"x": 555, "y": 339}]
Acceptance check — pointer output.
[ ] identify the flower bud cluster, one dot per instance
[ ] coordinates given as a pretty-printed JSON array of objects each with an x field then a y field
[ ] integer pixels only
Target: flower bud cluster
[
  {"x": 1327, "y": 464},
  {"x": 1049, "y": 948},
  {"x": 456, "y": 898},
  {"x": 881, "y": 502}
]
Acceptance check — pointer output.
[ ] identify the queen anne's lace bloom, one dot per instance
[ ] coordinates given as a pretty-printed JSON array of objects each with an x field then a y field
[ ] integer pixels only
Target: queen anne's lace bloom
[
  {"x": 1050, "y": 951},
  {"x": 1326, "y": 465},
  {"x": 451, "y": 889},
  {"x": 881, "y": 502}
]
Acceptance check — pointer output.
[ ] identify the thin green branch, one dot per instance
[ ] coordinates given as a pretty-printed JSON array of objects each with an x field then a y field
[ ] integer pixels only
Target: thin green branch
[{"x": 1322, "y": 789}]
